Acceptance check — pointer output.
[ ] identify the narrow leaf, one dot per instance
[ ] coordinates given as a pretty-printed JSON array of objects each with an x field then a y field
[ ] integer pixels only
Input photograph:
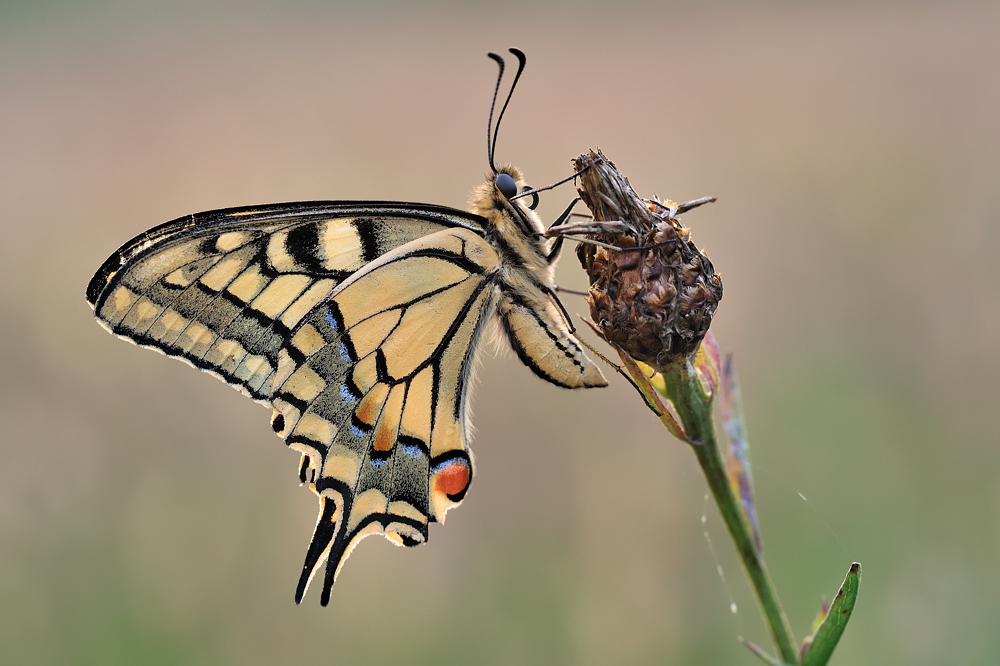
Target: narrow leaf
[
  {"x": 761, "y": 654},
  {"x": 706, "y": 364},
  {"x": 824, "y": 610},
  {"x": 738, "y": 459},
  {"x": 641, "y": 381},
  {"x": 832, "y": 628}
]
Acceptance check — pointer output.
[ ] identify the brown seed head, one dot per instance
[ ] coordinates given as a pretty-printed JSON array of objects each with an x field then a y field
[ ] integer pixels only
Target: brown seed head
[{"x": 655, "y": 303}]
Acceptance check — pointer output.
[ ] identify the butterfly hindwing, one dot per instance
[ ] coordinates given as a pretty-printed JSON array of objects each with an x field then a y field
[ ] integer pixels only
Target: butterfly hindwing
[{"x": 375, "y": 389}]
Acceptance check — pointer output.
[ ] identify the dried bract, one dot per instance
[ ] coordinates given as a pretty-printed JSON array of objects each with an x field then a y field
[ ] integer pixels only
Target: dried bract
[{"x": 656, "y": 301}]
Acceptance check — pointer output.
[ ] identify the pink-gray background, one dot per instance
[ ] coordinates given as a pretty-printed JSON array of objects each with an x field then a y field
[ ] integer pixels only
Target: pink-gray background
[{"x": 148, "y": 514}]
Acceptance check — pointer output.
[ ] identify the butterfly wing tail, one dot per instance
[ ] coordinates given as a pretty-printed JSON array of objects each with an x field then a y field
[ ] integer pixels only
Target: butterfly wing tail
[{"x": 319, "y": 548}]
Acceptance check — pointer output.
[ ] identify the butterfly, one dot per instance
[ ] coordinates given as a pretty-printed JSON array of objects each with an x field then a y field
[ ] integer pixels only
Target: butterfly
[{"x": 358, "y": 322}]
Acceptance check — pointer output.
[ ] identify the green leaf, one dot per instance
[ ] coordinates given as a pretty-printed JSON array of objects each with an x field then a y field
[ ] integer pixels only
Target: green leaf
[
  {"x": 832, "y": 628},
  {"x": 762, "y": 655}
]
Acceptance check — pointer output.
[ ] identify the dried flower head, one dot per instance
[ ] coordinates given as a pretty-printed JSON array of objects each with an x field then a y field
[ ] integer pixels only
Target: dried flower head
[{"x": 655, "y": 301}]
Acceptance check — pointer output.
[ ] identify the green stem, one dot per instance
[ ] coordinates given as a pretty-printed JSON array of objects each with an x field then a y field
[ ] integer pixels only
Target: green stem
[{"x": 684, "y": 390}]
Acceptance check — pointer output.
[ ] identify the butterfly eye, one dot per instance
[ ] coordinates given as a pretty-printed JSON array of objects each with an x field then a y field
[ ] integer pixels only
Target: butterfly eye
[{"x": 506, "y": 185}]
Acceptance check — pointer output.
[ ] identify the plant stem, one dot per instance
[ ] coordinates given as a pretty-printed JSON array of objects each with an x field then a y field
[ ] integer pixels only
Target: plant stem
[{"x": 684, "y": 390}]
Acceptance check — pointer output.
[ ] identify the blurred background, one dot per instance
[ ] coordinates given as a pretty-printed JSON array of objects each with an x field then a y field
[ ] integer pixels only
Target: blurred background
[{"x": 149, "y": 515}]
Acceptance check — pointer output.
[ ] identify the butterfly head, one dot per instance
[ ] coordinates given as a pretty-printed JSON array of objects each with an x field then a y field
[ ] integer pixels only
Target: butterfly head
[{"x": 492, "y": 200}]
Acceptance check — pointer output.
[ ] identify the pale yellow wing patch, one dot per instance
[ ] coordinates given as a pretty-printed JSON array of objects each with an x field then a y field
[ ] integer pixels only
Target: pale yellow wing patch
[{"x": 384, "y": 439}]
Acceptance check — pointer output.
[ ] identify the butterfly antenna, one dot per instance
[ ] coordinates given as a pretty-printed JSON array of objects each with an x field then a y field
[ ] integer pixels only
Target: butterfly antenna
[
  {"x": 520, "y": 68},
  {"x": 489, "y": 125}
]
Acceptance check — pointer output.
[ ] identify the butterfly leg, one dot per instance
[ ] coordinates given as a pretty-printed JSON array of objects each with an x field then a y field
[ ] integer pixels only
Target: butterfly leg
[
  {"x": 556, "y": 248},
  {"x": 674, "y": 211},
  {"x": 581, "y": 232},
  {"x": 575, "y": 292}
]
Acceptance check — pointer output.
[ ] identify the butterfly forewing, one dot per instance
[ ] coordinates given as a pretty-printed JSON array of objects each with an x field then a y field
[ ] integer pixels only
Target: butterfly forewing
[{"x": 223, "y": 289}]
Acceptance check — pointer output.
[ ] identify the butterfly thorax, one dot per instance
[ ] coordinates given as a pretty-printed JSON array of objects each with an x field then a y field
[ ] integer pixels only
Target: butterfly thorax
[{"x": 515, "y": 231}]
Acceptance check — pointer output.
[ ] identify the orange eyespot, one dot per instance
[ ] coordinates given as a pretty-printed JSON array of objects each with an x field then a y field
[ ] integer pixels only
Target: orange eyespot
[{"x": 452, "y": 478}]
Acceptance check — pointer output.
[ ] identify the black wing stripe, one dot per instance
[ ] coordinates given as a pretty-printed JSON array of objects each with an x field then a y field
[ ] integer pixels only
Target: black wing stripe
[
  {"x": 370, "y": 246},
  {"x": 302, "y": 243}
]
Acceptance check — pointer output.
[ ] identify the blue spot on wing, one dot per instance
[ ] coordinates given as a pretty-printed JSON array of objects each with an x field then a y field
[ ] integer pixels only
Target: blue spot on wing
[
  {"x": 459, "y": 459},
  {"x": 344, "y": 355},
  {"x": 331, "y": 321},
  {"x": 411, "y": 450}
]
